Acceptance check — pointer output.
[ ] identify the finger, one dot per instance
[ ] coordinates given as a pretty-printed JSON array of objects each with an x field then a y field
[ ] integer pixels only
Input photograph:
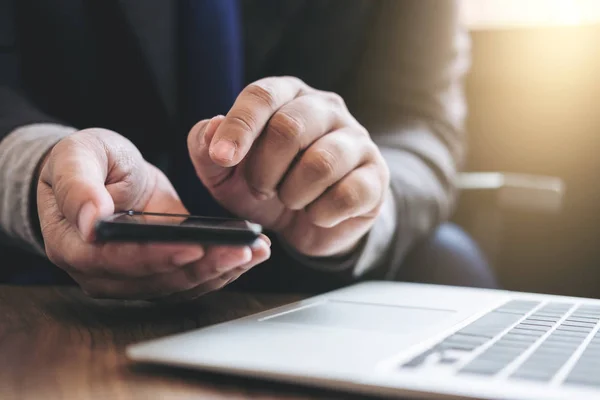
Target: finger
[
  {"x": 165, "y": 284},
  {"x": 289, "y": 131},
  {"x": 323, "y": 164},
  {"x": 248, "y": 117},
  {"x": 358, "y": 193},
  {"x": 66, "y": 249},
  {"x": 76, "y": 171},
  {"x": 326, "y": 242},
  {"x": 199, "y": 138},
  {"x": 61, "y": 239},
  {"x": 218, "y": 261},
  {"x": 203, "y": 288},
  {"x": 136, "y": 260},
  {"x": 260, "y": 253}
]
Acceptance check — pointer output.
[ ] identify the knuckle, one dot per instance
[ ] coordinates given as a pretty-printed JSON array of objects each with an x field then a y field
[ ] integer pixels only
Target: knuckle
[
  {"x": 371, "y": 149},
  {"x": 80, "y": 141},
  {"x": 288, "y": 195},
  {"x": 315, "y": 211},
  {"x": 347, "y": 197},
  {"x": 262, "y": 93},
  {"x": 363, "y": 133},
  {"x": 297, "y": 81},
  {"x": 125, "y": 159},
  {"x": 335, "y": 99},
  {"x": 320, "y": 214},
  {"x": 65, "y": 147},
  {"x": 285, "y": 128},
  {"x": 294, "y": 81},
  {"x": 320, "y": 164},
  {"x": 245, "y": 119},
  {"x": 64, "y": 188}
]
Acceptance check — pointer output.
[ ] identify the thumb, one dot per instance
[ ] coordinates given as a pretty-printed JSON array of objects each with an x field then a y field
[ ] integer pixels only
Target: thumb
[
  {"x": 76, "y": 172},
  {"x": 199, "y": 140}
]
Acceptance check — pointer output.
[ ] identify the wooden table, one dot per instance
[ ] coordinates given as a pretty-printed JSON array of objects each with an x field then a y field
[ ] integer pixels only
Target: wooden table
[{"x": 55, "y": 343}]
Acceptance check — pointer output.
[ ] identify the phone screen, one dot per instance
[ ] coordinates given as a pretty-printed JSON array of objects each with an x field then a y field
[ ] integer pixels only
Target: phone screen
[{"x": 133, "y": 217}]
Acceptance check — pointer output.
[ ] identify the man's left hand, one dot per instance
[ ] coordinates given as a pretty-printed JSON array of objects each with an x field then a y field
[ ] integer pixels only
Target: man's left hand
[{"x": 293, "y": 159}]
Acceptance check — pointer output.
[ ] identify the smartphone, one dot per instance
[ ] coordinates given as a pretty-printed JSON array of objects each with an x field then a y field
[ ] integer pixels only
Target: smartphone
[{"x": 143, "y": 227}]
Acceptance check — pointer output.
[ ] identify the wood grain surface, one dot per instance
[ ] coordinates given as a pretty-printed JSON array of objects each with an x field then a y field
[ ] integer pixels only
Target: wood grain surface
[{"x": 56, "y": 343}]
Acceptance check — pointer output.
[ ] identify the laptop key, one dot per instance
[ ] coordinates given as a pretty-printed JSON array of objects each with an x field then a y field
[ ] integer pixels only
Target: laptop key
[
  {"x": 518, "y": 337},
  {"x": 507, "y": 344},
  {"x": 482, "y": 368},
  {"x": 583, "y": 379},
  {"x": 572, "y": 328},
  {"x": 537, "y": 327},
  {"x": 592, "y": 320},
  {"x": 534, "y": 322},
  {"x": 579, "y": 324},
  {"x": 569, "y": 334},
  {"x": 539, "y": 376},
  {"x": 588, "y": 314},
  {"x": 459, "y": 346}
]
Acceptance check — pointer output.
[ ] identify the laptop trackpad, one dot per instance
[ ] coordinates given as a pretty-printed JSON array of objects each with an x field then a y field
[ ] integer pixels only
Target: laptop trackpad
[{"x": 395, "y": 319}]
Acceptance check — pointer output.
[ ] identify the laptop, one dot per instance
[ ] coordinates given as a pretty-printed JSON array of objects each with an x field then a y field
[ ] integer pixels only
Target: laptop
[{"x": 407, "y": 340}]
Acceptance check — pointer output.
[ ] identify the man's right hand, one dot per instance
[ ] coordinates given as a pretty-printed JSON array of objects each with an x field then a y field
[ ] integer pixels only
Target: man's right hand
[{"x": 90, "y": 175}]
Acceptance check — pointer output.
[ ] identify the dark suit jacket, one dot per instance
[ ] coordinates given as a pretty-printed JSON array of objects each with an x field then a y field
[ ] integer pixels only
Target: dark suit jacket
[{"x": 114, "y": 64}]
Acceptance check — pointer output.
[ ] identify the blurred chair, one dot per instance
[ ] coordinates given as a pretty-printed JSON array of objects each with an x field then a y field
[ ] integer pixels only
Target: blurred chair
[{"x": 487, "y": 198}]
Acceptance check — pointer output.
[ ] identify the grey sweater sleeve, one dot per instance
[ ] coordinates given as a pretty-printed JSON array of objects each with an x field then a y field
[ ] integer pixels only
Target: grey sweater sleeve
[
  {"x": 407, "y": 92},
  {"x": 20, "y": 154}
]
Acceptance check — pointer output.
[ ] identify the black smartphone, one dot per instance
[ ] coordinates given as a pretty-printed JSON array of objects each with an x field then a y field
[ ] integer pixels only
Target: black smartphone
[{"x": 143, "y": 227}]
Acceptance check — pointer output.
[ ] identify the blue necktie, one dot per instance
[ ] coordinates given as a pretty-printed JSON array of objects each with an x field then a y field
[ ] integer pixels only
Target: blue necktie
[{"x": 212, "y": 77}]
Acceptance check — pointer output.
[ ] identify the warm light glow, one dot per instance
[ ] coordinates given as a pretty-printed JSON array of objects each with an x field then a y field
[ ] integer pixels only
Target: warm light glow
[{"x": 510, "y": 13}]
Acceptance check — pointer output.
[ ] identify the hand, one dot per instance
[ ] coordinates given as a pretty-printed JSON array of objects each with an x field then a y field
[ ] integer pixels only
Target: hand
[
  {"x": 293, "y": 159},
  {"x": 91, "y": 174}
]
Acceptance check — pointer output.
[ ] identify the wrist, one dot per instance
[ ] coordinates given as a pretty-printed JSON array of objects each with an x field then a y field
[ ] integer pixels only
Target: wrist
[
  {"x": 346, "y": 252},
  {"x": 22, "y": 155},
  {"x": 341, "y": 261}
]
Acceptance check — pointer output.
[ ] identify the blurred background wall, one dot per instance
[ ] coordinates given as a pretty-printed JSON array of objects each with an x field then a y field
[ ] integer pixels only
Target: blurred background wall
[{"x": 534, "y": 95}]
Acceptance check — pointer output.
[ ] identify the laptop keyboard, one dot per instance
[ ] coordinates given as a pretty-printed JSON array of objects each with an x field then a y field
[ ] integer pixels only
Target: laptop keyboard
[{"x": 533, "y": 342}]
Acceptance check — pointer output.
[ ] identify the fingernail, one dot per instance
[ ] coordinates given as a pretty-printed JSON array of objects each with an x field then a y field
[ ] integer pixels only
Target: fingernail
[
  {"x": 86, "y": 219},
  {"x": 187, "y": 257},
  {"x": 211, "y": 128},
  {"x": 223, "y": 150},
  {"x": 267, "y": 240},
  {"x": 262, "y": 239}
]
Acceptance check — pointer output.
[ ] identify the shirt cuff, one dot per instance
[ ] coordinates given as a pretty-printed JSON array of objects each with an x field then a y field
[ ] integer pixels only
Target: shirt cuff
[
  {"x": 20, "y": 153},
  {"x": 380, "y": 238},
  {"x": 373, "y": 250}
]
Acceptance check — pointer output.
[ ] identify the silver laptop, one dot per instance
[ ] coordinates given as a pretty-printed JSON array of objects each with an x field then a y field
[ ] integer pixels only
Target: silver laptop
[{"x": 407, "y": 340}]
